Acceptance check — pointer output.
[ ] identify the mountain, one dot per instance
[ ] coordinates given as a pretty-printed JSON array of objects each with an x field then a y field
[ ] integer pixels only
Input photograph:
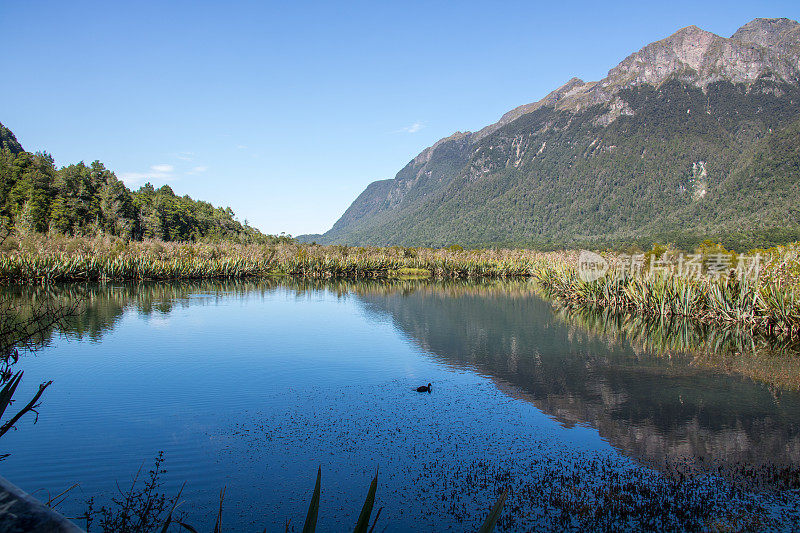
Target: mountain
[{"x": 694, "y": 136}]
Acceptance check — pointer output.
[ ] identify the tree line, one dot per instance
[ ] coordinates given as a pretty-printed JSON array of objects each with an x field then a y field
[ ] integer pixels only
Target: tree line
[{"x": 81, "y": 199}]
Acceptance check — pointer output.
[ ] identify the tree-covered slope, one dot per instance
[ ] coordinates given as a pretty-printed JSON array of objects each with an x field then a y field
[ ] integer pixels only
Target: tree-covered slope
[
  {"x": 687, "y": 139},
  {"x": 8, "y": 141},
  {"x": 89, "y": 199}
]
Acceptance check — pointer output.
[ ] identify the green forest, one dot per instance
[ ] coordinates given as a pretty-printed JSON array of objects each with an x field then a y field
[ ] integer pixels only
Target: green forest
[
  {"x": 82, "y": 199},
  {"x": 682, "y": 166}
]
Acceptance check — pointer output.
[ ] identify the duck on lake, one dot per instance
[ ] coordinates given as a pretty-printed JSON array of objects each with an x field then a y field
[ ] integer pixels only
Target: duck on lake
[{"x": 424, "y": 388}]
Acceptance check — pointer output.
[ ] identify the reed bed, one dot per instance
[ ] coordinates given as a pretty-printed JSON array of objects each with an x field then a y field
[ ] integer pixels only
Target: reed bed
[
  {"x": 769, "y": 305},
  {"x": 40, "y": 259},
  {"x": 63, "y": 267}
]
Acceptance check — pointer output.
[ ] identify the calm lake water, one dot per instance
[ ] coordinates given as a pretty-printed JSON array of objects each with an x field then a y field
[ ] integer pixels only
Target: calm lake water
[{"x": 253, "y": 385}]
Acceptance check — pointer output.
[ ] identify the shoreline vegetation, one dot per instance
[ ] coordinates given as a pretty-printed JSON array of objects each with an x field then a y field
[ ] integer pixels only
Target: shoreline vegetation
[
  {"x": 38, "y": 258},
  {"x": 767, "y": 304},
  {"x": 657, "y": 313}
]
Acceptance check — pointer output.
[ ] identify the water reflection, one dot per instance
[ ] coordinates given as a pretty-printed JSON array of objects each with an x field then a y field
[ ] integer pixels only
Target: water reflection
[
  {"x": 770, "y": 359},
  {"x": 101, "y": 306},
  {"x": 654, "y": 390}
]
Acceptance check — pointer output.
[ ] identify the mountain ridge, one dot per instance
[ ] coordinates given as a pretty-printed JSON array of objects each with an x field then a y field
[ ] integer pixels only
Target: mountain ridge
[{"x": 760, "y": 63}]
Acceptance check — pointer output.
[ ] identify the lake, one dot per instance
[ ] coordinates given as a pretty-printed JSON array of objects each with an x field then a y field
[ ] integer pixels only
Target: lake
[{"x": 251, "y": 385}]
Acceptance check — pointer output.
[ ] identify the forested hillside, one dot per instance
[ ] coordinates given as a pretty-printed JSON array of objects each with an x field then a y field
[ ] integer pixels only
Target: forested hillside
[
  {"x": 692, "y": 137},
  {"x": 82, "y": 199}
]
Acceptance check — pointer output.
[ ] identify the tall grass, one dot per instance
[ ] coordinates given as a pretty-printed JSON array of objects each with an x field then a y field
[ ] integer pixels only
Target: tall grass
[
  {"x": 771, "y": 305},
  {"x": 38, "y": 259}
]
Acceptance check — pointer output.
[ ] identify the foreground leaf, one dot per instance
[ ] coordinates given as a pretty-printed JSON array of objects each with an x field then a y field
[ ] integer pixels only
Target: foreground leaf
[
  {"x": 366, "y": 511},
  {"x": 313, "y": 509},
  {"x": 491, "y": 520}
]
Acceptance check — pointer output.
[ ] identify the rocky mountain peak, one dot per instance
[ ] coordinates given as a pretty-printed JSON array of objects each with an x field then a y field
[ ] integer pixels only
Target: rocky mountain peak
[
  {"x": 556, "y": 170},
  {"x": 691, "y": 52},
  {"x": 690, "y": 45},
  {"x": 763, "y": 48},
  {"x": 769, "y": 33}
]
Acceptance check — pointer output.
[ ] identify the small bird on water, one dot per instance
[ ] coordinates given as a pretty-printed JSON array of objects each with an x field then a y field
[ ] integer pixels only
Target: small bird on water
[{"x": 424, "y": 388}]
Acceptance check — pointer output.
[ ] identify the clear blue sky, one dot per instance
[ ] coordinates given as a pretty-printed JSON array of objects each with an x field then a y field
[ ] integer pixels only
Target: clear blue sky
[{"x": 285, "y": 111}]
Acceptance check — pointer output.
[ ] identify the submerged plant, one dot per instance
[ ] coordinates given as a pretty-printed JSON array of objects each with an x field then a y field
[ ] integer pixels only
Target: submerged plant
[
  {"x": 148, "y": 509},
  {"x": 142, "y": 507}
]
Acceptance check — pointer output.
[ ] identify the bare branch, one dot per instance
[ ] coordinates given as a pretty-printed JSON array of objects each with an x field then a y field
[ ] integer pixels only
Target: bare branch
[{"x": 31, "y": 406}]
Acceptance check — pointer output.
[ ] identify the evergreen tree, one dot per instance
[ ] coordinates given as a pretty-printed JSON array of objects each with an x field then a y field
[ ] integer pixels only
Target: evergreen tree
[{"x": 81, "y": 199}]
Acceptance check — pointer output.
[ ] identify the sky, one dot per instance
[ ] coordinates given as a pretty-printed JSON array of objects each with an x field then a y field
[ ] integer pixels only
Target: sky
[{"x": 286, "y": 111}]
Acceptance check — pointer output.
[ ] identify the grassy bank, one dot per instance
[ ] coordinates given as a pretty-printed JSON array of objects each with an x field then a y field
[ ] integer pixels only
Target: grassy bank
[
  {"x": 768, "y": 303},
  {"x": 36, "y": 258}
]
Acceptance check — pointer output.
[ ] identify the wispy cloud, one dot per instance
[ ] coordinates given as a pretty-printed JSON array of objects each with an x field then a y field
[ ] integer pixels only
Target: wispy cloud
[
  {"x": 132, "y": 178},
  {"x": 411, "y": 128},
  {"x": 197, "y": 170},
  {"x": 185, "y": 156},
  {"x": 241, "y": 147},
  {"x": 157, "y": 172}
]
